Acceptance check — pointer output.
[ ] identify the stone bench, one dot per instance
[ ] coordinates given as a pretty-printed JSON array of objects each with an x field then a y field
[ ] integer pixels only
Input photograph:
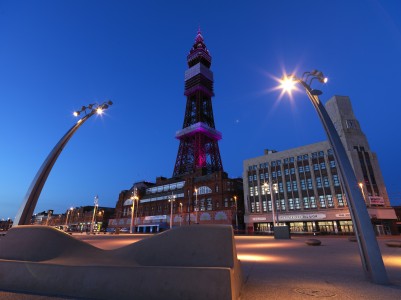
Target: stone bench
[{"x": 313, "y": 242}]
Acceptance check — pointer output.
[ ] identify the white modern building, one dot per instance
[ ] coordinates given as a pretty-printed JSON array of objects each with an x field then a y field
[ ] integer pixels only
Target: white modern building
[{"x": 304, "y": 187}]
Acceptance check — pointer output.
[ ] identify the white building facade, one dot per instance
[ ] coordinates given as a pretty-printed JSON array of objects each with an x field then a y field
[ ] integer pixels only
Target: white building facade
[{"x": 303, "y": 184}]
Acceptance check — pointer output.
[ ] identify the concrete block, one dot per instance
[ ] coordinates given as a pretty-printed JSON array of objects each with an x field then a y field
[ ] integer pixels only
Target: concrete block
[
  {"x": 282, "y": 232},
  {"x": 193, "y": 262}
]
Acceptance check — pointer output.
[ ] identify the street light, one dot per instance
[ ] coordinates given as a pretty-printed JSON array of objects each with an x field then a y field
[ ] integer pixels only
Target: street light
[
  {"x": 363, "y": 192},
  {"x": 180, "y": 213},
  {"x": 369, "y": 250},
  {"x": 96, "y": 203},
  {"x": 68, "y": 213},
  {"x": 196, "y": 206},
  {"x": 236, "y": 212},
  {"x": 171, "y": 200},
  {"x": 268, "y": 188},
  {"x": 27, "y": 208},
  {"x": 133, "y": 198}
]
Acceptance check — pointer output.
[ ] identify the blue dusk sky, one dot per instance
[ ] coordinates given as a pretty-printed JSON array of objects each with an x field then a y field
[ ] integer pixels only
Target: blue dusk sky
[{"x": 56, "y": 56}]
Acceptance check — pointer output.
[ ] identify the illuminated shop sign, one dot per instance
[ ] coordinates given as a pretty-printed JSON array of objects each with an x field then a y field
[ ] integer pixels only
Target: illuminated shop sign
[
  {"x": 376, "y": 200},
  {"x": 301, "y": 217}
]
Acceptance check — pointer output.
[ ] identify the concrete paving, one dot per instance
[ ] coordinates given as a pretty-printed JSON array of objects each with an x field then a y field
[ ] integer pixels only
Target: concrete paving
[{"x": 290, "y": 269}]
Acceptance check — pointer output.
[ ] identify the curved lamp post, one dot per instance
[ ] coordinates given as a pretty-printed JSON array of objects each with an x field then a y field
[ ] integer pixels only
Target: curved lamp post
[
  {"x": 25, "y": 212},
  {"x": 369, "y": 251}
]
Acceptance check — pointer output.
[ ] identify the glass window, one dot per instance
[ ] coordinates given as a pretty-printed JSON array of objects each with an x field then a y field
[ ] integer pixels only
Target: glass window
[
  {"x": 280, "y": 187},
  {"x": 326, "y": 181},
  {"x": 294, "y": 185},
  {"x": 255, "y": 178},
  {"x": 250, "y": 178},
  {"x": 292, "y": 171},
  {"x": 291, "y": 159},
  {"x": 329, "y": 199},
  {"x": 309, "y": 181},
  {"x": 340, "y": 199},
  {"x": 319, "y": 182},
  {"x": 330, "y": 151},
  {"x": 322, "y": 201},
  {"x": 316, "y": 167},
  {"x": 252, "y": 206},
  {"x": 286, "y": 172},
  {"x": 321, "y": 154},
  {"x": 306, "y": 157},
  {"x": 279, "y": 162},
  {"x": 297, "y": 204},
  {"x": 303, "y": 184},
  {"x": 249, "y": 168},
  {"x": 274, "y": 174},
  {"x": 332, "y": 164},
  {"x": 257, "y": 206},
  {"x": 300, "y": 169},
  {"x": 322, "y": 166},
  {"x": 336, "y": 181},
  {"x": 251, "y": 191},
  {"x": 314, "y": 155},
  {"x": 256, "y": 191},
  {"x": 299, "y": 157},
  {"x": 279, "y": 173},
  {"x": 313, "y": 202},
  {"x": 209, "y": 204},
  {"x": 286, "y": 160},
  {"x": 307, "y": 168},
  {"x": 273, "y": 163},
  {"x": 289, "y": 186},
  {"x": 226, "y": 202},
  {"x": 306, "y": 202},
  {"x": 266, "y": 175},
  {"x": 262, "y": 176},
  {"x": 291, "y": 204}
]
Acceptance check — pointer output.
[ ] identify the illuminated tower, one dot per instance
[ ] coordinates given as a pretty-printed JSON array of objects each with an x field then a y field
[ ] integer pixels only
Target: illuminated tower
[{"x": 198, "y": 137}]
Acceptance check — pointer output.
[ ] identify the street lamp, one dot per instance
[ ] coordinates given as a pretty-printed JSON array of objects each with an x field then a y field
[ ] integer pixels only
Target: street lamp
[
  {"x": 236, "y": 212},
  {"x": 268, "y": 188},
  {"x": 369, "y": 250},
  {"x": 180, "y": 213},
  {"x": 171, "y": 200},
  {"x": 196, "y": 206},
  {"x": 96, "y": 203},
  {"x": 68, "y": 213},
  {"x": 363, "y": 192},
  {"x": 133, "y": 198},
  {"x": 27, "y": 208}
]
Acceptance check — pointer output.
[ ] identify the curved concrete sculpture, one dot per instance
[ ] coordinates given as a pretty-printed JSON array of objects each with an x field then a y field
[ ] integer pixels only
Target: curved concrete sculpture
[
  {"x": 192, "y": 262},
  {"x": 313, "y": 242}
]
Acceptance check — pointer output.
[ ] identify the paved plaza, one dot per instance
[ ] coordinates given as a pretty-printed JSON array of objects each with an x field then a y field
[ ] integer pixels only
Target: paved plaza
[{"x": 290, "y": 269}]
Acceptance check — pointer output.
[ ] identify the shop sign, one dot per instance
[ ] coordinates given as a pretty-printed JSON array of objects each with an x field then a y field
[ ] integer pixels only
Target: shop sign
[
  {"x": 153, "y": 218},
  {"x": 376, "y": 200},
  {"x": 344, "y": 215},
  {"x": 258, "y": 219},
  {"x": 301, "y": 217}
]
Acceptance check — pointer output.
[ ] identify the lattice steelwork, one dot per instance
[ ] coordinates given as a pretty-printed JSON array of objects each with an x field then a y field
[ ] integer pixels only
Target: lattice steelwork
[{"x": 198, "y": 138}]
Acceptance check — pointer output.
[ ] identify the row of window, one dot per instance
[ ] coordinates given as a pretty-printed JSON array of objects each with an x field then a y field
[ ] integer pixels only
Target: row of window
[
  {"x": 291, "y": 160},
  {"x": 323, "y": 201},
  {"x": 292, "y": 186},
  {"x": 291, "y": 171}
]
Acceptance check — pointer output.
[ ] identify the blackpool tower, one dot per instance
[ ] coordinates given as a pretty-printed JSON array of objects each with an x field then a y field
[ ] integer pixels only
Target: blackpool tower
[{"x": 199, "y": 150}]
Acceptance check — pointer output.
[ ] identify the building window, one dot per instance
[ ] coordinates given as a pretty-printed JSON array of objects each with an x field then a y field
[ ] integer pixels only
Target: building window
[
  {"x": 264, "y": 206},
  {"x": 300, "y": 169},
  {"x": 209, "y": 204},
  {"x": 274, "y": 174},
  {"x": 255, "y": 178},
  {"x": 266, "y": 176},
  {"x": 278, "y": 172},
  {"x": 306, "y": 157},
  {"x": 316, "y": 167},
  {"x": 292, "y": 171},
  {"x": 202, "y": 204},
  {"x": 319, "y": 182},
  {"x": 313, "y": 202},
  {"x": 299, "y": 158},
  {"x": 321, "y": 154},
  {"x": 262, "y": 176},
  {"x": 252, "y": 206},
  {"x": 322, "y": 166},
  {"x": 280, "y": 187},
  {"x": 286, "y": 172},
  {"x": 314, "y": 155},
  {"x": 279, "y": 162},
  {"x": 250, "y": 178},
  {"x": 291, "y": 204},
  {"x": 294, "y": 186},
  {"x": 273, "y": 163},
  {"x": 309, "y": 181},
  {"x": 329, "y": 199},
  {"x": 332, "y": 164},
  {"x": 307, "y": 168},
  {"x": 257, "y": 206},
  {"x": 225, "y": 202},
  {"x": 256, "y": 191},
  {"x": 251, "y": 190},
  {"x": 303, "y": 185},
  {"x": 326, "y": 181},
  {"x": 297, "y": 204},
  {"x": 306, "y": 202},
  {"x": 330, "y": 151},
  {"x": 288, "y": 186},
  {"x": 322, "y": 201},
  {"x": 282, "y": 201},
  {"x": 340, "y": 200},
  {"x": 291, "y": 159}
]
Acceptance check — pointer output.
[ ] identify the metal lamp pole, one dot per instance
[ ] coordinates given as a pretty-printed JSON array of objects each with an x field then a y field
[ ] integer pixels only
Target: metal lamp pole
[
  {"x": 171, "y": 200},
  {"x": 369, "y": 250},
  {"x": 180, "y": 213},
  {"x": 25, "y": 212},
  {"x": 196, "y": 206},
  {"x": 96, "y": 201},
  {"x": 133, "y": 198},
  {"x": 236, "y": 212}
]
